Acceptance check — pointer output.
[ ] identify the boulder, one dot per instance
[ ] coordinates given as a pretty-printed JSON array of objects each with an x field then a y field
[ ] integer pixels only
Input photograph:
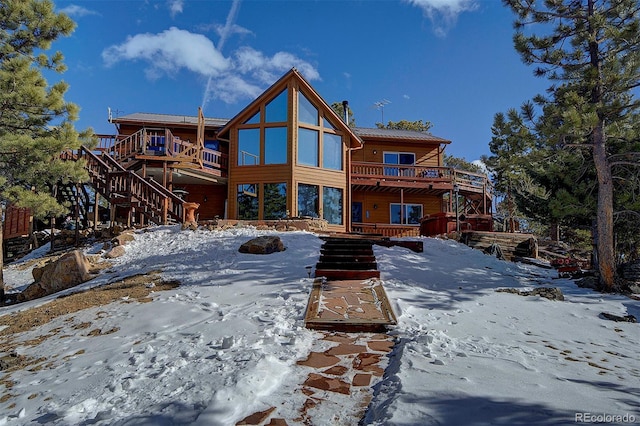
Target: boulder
[
  {"x": 551, "y": 293},
  {"x": 262, "y": 245},
  {"x": 67, "y": 271},
  {"x": 123, "y": 238},
  {"x": 114, "y": 252}
]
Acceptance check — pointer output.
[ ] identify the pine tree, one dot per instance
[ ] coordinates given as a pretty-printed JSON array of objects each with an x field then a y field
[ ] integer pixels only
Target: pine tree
[
  {"x": 417, "y": 126},
  {"x": 592, "y": 56},
  {"x": 36, "y": 123}
]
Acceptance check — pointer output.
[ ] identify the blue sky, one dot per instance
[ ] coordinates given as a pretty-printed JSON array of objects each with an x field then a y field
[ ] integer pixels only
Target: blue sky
[{"x": 450, "y": 62}]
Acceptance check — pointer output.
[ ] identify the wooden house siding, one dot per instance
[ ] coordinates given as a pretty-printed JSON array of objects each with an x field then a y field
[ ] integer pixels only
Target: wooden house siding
[
  {"x": 212, "y": 200},
  {"x": 17, "y": 222},
  {"x": 429, "y": 155},
  {"x": 376, "y": 205}
]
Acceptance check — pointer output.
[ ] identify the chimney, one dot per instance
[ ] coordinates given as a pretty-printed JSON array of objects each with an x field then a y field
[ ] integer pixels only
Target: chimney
[{"x": 345, "y": 111}]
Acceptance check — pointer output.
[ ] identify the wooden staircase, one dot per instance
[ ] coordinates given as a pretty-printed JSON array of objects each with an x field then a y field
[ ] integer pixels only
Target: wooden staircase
[
  {"x": 124, "y": 188},
  {"x": 79, "y": 199},
  {"x": 347, "y": 259}
]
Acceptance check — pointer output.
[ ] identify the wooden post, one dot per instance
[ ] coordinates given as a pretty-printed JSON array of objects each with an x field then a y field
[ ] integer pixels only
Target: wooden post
[
  {"x": 96, "y": 215},
  {"x": 402, "y": 206},
  {"x": 112, "y": 215},
  {"x": 76, "y": 213}
]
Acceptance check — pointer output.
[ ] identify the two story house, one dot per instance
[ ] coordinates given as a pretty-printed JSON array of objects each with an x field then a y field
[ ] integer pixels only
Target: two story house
[{"x": 287, "y": 154}]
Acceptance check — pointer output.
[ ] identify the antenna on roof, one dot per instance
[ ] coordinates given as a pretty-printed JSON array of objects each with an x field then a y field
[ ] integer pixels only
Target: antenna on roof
[
  {"x": 117, "y": 111},
  {"x": 380, "y": 105}
]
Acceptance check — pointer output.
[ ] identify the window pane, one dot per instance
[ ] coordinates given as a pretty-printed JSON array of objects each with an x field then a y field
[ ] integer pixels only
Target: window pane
[
  {"x": 390, "y": 158},
  {"x": 276, "y": 110},
  {"x": 395, "y": 213},
  {"x": 308, "y": 147},
  {"x": 254, "y": 120},
  {"x": 332, "y": 152},
  {"x": 414, "y": 214},
  {"x": 406, "y": 158},
  {"x": 248, "y": 201},
  {"x": 308, "y": 200},
  {"x": 332, "y": 205},
  {"x": 275, "y": 201},
  {"x": 275, "y": 145},
  {"x": 248, "y": 147},
  {"x": 307, "y": 113},
  {"x": 212, "y": 144},
  {"x": 326, "y": 123}
]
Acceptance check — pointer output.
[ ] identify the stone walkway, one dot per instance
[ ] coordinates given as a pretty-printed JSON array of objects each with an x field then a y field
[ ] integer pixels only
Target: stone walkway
[
  {"x": 349, "y": 305},
  {"x": 342, "y": 376},
  {"x": 352, "y": 309}
]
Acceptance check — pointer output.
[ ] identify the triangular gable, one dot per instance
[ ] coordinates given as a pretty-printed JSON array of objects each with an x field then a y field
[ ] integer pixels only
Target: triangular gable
[{"x": 308, "y": 91}]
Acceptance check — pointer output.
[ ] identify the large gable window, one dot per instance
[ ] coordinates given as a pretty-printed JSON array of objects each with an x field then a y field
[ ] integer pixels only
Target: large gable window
[
  {"x": 276, "y": 110},
  {"x": 308, "y": 147},
  {"x": 332, "y": 151},
  {"x": 307, "y": 113},
  {"x": 319, "y": 144},
  {"x": 263, "y": 138},
  {"x": 275, "y": 145},
  {"x": 248, "y": 147}
]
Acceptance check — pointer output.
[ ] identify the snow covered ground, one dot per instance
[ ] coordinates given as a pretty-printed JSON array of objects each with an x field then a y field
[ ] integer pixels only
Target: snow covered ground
[{"x": 225, "y": 343}]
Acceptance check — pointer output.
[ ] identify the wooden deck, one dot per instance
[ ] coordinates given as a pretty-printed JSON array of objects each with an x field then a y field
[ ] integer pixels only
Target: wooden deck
[{"x": 349, "y": 305}]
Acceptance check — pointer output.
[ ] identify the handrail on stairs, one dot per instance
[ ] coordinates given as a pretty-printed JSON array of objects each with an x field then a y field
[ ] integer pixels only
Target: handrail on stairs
[{"x": 113, "y": 180}]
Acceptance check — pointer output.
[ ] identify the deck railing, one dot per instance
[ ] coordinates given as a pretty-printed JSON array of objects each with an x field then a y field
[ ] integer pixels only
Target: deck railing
[
  {"x": 123, "y": 187},
  {"x": 386, "y": 229},
  {"x": 474, "y": 182},
  {"x": 161, "y": 142}
]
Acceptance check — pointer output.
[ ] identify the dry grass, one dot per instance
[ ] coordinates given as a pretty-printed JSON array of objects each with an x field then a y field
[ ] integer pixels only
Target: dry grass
[{"x": 135, "y": 288}]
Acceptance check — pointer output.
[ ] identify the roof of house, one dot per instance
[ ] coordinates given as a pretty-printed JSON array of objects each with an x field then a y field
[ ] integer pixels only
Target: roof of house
[
  {"x": 361, "y": 132},
  {"x": 164, "y": 119},
  {"x": 393, "y": 134}
]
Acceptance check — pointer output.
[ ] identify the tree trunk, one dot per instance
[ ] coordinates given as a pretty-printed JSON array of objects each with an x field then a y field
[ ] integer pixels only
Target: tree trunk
[
  {"x": 1, "y": 265},
  {"x": 554, "y": 231},
  {"x": 604, "y": 215}
]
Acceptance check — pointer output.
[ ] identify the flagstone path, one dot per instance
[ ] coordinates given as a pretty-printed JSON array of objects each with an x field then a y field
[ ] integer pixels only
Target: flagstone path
[{"x": 351, "y": 356}]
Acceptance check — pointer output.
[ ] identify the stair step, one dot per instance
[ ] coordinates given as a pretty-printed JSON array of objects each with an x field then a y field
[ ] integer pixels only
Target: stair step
[
  {"x": 346, "y": 258},
  {"x": 348, "y": 251},
  {"x": 345, "y": 246},
  {"x": 346, "y": 266},
  {"x": 339, "y": 274}
]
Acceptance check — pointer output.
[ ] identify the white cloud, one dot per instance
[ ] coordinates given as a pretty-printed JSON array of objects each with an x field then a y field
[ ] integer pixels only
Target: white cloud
[
  {"x": 443, "y": 13},
  {"x": 168, "y": 52},
  {"x": 175, "y": 6},
  {"x": 245, "y": 74},
  {"x": 230, "y": 88},
  {"x": 266, "y": 69},
  {"x": 74, "y": 10}
]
